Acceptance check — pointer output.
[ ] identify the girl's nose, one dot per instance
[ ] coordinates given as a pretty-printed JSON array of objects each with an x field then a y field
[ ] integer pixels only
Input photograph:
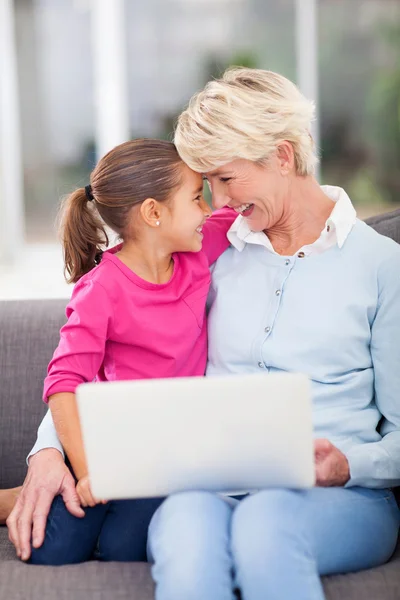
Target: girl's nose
[{"x": 206, "y": 209}]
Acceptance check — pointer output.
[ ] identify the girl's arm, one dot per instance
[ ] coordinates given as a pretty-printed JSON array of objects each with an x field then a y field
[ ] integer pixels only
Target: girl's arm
[
  {"x": 215, "y": 241},
  {"x": 78, "y": 359},
  {"x": 81, "y": 349},
  {"x": 64, "y": 411}
]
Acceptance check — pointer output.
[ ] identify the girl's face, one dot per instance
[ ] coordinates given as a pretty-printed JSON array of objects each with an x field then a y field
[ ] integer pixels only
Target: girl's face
[{"x": 182, "y": 223}]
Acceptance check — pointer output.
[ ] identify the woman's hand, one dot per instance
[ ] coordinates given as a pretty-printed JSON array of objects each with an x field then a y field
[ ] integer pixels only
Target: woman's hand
[
  {"x": 331, "y": 465},
  {"x": 47, "y": 477}
]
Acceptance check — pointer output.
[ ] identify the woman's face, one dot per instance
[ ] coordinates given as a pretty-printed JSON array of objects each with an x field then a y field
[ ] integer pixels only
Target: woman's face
[{"x": 256, "y": 191}]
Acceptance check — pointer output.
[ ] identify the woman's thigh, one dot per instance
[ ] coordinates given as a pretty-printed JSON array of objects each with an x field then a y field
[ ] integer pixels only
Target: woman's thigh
[
  {"x": 189, "y": 544},
  {"x": 351, "y": 528},
  {"x": 340, "y": 529},
  {"x": 187, "y": 517}
]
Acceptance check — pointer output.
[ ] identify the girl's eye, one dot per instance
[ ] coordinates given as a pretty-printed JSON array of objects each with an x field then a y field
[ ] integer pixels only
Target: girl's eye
[
  {"x": 197, "y": 199},
  {"x": 225, "y": 179}
]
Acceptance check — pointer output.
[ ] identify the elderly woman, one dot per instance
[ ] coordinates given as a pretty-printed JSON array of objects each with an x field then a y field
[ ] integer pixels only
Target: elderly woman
[{"x": 305, "y": 287}]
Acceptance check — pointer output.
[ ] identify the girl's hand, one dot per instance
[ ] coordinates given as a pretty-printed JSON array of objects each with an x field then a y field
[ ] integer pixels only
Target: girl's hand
[{"x": 85, "y": 493}]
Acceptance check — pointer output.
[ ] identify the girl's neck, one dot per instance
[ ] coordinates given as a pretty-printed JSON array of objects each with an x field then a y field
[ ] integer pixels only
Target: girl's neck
[{"x": 147, "y": 262}]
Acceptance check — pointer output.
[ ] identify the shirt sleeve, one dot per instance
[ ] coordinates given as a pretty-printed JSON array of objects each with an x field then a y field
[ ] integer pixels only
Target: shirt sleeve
[
  {"x": 377, "y": 464},
  {"x": 215, "y": 241},
  {"x": 81, "y": 349},
  {"x": 46, "y": 437}
]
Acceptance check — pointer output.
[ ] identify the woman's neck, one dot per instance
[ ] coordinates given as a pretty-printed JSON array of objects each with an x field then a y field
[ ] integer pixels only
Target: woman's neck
[
  {"x": 147, "y": 261},
  {"x": 306, "y": 210}
]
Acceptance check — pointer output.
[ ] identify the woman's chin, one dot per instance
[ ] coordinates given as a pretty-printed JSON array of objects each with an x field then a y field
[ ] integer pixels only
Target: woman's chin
[
  {"x": 256, "y": 220},
  {"x": 255, "y": 224}
]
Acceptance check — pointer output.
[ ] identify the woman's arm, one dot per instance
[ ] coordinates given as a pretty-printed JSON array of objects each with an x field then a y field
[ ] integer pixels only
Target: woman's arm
[
  {"x": 46, "y": 437},
  {"x": 377, "y": 464}
]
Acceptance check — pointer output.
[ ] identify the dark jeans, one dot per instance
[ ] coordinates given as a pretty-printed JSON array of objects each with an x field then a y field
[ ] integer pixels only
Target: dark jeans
[{"x": 114, "y": 531}]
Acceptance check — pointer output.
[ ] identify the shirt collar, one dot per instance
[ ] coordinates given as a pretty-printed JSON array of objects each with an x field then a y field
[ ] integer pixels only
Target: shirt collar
[
  {"x": 341, "y": 221},
  {"x": 343, "y": 215}
]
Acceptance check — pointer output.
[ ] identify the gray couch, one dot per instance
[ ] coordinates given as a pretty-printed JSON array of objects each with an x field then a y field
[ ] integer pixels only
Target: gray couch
[{"x": 28, "y": 335}]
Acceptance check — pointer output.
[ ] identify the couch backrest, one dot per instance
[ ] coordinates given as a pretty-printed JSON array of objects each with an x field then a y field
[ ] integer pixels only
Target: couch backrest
[
  {"x": 387, "y": 224},
  {"x": 29, "y": 332}
]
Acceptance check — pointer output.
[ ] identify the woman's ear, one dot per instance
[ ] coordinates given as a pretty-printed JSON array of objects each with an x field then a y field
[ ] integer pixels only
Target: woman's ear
[
  {"x": 285, "y": 154},
  {"x": 150, "y": 212}
]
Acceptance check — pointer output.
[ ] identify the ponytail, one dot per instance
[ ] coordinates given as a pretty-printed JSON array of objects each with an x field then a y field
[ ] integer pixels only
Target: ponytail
[{"x": 83, "y": 235}]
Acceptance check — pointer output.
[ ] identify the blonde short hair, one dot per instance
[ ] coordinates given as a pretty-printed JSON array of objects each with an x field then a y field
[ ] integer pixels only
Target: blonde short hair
[{"x": 246, "y": 114}]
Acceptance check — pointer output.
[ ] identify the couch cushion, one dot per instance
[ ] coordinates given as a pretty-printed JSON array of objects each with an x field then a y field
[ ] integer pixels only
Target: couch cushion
[
  {"x": 7, "y": 551},
  {"x": 381, "y": 583},
  {"x": 132, "y": 581},
  {"x": 88, "y": 581},
  {"x": 29, "y": 333}
]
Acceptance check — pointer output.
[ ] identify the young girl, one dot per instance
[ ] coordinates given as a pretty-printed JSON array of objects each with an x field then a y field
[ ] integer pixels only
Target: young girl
[{"x": 137, "y": 312}]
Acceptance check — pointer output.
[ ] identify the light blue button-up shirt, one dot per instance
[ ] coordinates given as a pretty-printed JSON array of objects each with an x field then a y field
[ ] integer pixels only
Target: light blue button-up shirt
[{"x": 332, "y": 314}]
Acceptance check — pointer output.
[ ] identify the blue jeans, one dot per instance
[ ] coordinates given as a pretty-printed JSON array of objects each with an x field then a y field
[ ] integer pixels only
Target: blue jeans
[
  {"x": 113, "y": 531},
  {"x": 273, "y": 545}
]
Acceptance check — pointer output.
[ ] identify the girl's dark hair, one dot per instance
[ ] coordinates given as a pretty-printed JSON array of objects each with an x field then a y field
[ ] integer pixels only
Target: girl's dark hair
[{"x": 123, "y": 178}]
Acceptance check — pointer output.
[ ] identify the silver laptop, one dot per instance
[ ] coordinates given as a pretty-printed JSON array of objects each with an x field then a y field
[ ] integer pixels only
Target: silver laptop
[{"x": 233, "y": 433}]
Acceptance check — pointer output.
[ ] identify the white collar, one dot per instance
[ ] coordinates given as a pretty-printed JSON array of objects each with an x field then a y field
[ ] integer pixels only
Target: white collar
[{"x": 338, "y": 225}]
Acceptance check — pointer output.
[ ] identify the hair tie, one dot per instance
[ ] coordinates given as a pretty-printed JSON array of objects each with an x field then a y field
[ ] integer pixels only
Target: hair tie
[{"x": 88, "y": 192}]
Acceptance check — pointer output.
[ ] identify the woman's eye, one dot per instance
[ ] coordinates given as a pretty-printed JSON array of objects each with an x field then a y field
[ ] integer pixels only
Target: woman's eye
[{"x": 225, "y": 179}]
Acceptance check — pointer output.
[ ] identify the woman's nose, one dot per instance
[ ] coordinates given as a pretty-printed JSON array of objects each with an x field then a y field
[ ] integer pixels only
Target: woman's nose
[{"x": 219, "y": 200}]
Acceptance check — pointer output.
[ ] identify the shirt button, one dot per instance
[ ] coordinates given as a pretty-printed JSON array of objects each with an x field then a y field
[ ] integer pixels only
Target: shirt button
[
  {"x": 267, "y": 329},
  {"x": 328, "y": 228},
  {"x": 287, "y": 262},
  {"x": 301, "y": 255},
  {"x": 278, "y": 293},
  {"x": 261, "y": 365}
]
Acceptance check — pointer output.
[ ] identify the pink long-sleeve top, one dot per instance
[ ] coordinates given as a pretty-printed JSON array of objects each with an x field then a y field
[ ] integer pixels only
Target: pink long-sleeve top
[{"x": 121, "y": 327}]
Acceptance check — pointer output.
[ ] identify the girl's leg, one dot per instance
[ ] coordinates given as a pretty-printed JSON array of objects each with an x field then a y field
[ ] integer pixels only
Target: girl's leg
[
  {"x": 123, "y": 536},
  {"x": 68, "y": 539},
  {"x": 283, "y": 541},
  {"x": 7, "y": 501},
  {"x": 189, "y": 545}
]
